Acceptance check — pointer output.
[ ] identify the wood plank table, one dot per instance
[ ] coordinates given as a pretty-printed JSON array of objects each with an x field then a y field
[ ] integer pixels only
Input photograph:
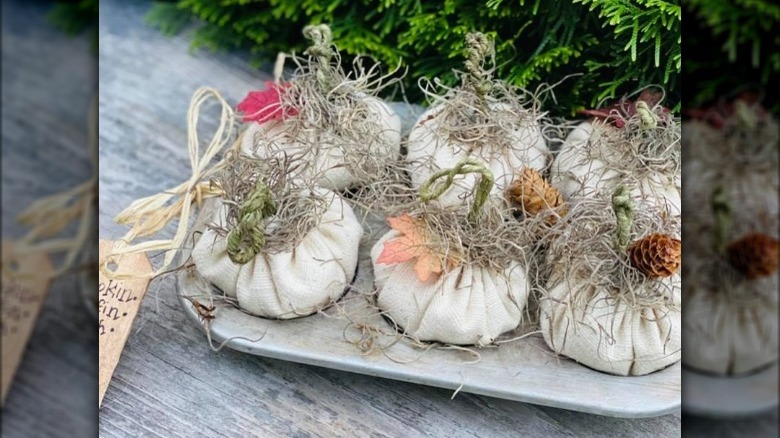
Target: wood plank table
[{"x": 168, "y": 382}]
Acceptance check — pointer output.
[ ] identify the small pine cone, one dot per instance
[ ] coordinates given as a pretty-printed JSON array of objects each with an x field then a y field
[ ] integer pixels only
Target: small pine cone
[
  {"x": 536, "y": 195},
  {"x": 755, "y": 255},
  {"x": 656, "y": 255}
]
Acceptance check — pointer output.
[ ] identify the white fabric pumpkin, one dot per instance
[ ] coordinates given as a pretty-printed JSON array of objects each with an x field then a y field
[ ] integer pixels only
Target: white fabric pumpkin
[
  {"x": 274, "y": 138},
  {"x": 726, "y": 337},
  {"x": 577, "y": 174},
  {"x": 429, "y": 152},
  {"x": 288, "y": 284},
  {"x": 607, "y": 334},
  {"x": 730, "y": 327},
  {"x": 465, "y": 306}
]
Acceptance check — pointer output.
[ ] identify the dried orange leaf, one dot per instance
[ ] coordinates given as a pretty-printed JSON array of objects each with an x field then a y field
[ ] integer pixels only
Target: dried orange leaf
[
  {"x": 410, "y": 245},
  {"x": 398, "y": 250},
  {"x": 404, "y": 224},
  {"x": 427, "y": 266}
]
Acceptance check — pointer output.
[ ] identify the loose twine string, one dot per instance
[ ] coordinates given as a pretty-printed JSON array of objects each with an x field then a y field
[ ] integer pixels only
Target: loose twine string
[
  {"x": 433, "y": 188},
  {"x": 51, "y": 215},
  {"x": 149, "y": 215}
]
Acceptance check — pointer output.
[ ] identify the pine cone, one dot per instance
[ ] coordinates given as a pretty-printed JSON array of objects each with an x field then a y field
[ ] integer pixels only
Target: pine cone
[
  {"x": 535, "y": 195},
  {"x": 656, "y": 255},
  {"x": 755, "y": 255}
]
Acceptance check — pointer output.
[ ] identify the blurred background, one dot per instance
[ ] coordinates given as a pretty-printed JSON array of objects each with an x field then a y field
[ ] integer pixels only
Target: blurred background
[
  {"x": 730, "y": 217},
  {"x": 49, "y": 68}
]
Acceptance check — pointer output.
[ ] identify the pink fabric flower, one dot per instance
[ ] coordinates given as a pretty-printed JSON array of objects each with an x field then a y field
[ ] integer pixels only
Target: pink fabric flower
[{"x": 264, "y": 105}]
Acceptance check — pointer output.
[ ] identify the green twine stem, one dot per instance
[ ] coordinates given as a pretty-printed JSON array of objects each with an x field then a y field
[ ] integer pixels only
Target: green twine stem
[
  {"x": 745, "y": 115},
  {"x": 321, "y": 38},
  {"x": 247, "y": 239},
  {"x": 623, "y": 207},
  {"x": 432, "y": 188},
  {"x": 478, "y": 48},
  {"x": 721, "y": 208},
  {"x": 647, "y": 117}
]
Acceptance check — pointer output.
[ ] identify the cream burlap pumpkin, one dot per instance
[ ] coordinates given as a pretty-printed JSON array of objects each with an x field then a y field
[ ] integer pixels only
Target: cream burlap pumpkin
[
  {"x": 291, "y": 283},
  {"x": 597, "y": 309},
  {"x": 602, "y": 332},
  {"x": 484, "y": 119},
  {"x": 730, "y": 318},
  {"x": 337, "y": 162},
  {"x": 454, "y": 275},
  {"x": 731, "y": 333},
  {"x": 327, "y": 120},
  {"x": 465, "y": 306},
  {"x": 598, "y": 156},
  {"x": 431, "y": 149},
  {"x": 578, "y": 172}
]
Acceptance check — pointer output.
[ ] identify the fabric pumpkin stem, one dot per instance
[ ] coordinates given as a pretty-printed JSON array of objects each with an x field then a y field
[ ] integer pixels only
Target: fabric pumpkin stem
[
  {"x": 432, "y": 189},
  {"x": 721, "y": 207},
  {"x": 322, "y": 38},
  {"x": 646, "y": 115},
  {"x": 478, "y": 48},
  {"x": 624, "y": 213},
  {"x": 247, "y": 239}
]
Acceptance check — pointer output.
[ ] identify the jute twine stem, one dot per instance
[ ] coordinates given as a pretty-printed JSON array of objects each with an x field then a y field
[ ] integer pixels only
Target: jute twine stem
[
  {"x": 478, "y": 48},
  {"x": 623, "y": 207},
  {"x": 647, "y": 117},
  {"x": 721, "y": 208},
  {"x": 149, "y": 215},
  {"x": 51, "y": 215},
  {"x": 432, "y": 188},
  {"x": 247, "y": 239},
  {"x": 321, "y": 38},
  {"x": 747, "y": 118}
]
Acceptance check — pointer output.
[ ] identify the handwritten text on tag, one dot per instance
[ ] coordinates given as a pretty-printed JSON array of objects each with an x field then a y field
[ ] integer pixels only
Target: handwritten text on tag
[
  {"x": 118, "y": 303},
  {"x": 24, "y": 289}
]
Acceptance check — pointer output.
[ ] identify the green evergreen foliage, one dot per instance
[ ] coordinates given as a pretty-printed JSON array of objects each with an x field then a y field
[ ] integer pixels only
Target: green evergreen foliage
[
  {"x": 611, "y": 47},
  {"x": 733, "y": 45},
  {"x": 72, "y": 18}
]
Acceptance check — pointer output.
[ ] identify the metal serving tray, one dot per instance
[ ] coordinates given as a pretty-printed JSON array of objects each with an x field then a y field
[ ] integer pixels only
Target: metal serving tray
[{"x": 523, "y": 370}]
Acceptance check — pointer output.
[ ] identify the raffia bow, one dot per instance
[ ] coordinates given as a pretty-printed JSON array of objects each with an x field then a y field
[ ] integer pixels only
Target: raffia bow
[
  {"x": 149, "y": 215},
  {"x": 51, "y": 215}
]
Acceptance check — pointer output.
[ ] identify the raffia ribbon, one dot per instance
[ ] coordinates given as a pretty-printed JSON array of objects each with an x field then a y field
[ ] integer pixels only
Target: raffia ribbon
[
  {"x": 51, "y": 215},
  {"x": 149, "y": 215}
]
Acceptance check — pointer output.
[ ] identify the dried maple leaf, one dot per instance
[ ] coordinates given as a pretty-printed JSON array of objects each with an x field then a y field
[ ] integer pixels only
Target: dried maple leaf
[
  {"x": 412, "y": 245},
  {"x": 264, "y": 105}
]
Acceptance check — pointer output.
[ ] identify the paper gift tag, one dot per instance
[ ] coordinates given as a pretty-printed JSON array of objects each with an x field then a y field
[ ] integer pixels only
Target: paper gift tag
[
  {"x": 22, "y": 298},
  {"x": 118, "y": 305}
]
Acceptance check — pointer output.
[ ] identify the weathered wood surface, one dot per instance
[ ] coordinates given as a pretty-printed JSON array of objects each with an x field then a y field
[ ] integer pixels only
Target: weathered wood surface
[
  {"x": 48, "y": 80},
  {"x": 168, "y": 382}
]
